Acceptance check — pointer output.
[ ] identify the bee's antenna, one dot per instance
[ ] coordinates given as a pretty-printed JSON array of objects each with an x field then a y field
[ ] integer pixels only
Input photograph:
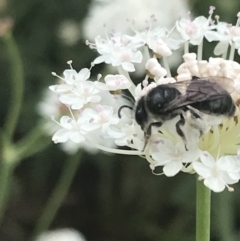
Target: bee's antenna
[
  {"x": 122, "y": 107},
  {"x": 129, "y": 98}
]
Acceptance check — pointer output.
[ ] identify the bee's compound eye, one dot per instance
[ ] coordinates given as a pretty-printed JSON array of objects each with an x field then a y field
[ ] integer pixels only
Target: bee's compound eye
[
  {"x": 141, "y": 116},
  {"x": 166, "y": 93}
]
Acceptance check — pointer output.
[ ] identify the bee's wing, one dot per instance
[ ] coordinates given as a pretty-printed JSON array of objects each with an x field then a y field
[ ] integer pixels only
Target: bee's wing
[
  {"x": 197, "y": 90},
  {"x": 226, "y": 83}
]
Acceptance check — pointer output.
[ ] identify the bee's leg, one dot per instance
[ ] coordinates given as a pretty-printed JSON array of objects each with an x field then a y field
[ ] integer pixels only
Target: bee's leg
[
  {"x": 195, "y": 78},
  {"x": 157, "y": 124},
  {"x": 148, "y": 133},
  {"x": 181, "y": 122},
  {"x": 195, "y": 116}
]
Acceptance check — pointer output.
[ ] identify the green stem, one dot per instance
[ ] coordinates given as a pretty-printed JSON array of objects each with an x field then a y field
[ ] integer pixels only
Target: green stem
[
  {"x": 225, "y": 216},
  {"x": 12, "y": 154},
  {"x": 224, "y": 55},
  {"x": 126, "y": 74},
  {"x": 17, "y": 82},
  {"x": 166, "y": 66},
  {"x": 58, "y": 195},
  {"x": 146, "y": 52},
  {"x": 200, "y": 51},
  {"x": 6, "y": 170},
  {"x": 203, "y": 206},
  {"x": 36, "y": 147},
  {"x": 186, "y": 47},
  {"x": 33, "y": 142},
  {"x": 232, "y": 52}
]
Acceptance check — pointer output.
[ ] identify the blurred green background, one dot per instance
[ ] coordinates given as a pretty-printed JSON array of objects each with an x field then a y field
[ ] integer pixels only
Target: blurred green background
[{"x": 111, "y": 198}]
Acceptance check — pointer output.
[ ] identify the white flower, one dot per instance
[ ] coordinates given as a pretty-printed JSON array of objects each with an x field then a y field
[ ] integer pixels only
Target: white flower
[
  {"x": 128, "y": 135},
  {"x": 69, "y": 32},
  {"x": 117, "y": 51},
  {"x": 83, "y": 93},
  {"x": 217, "y": 174},
  {"x": 172, "y": 156},
  {"x": 114, "y": 82},
  {"x": 102, "y": 118},
  {"x": 71, "y": 79},
  {"x": 77, "y": 90},
  {"x": 159, "y": 47},
  {"x": 61, "y": 235},
  {"x": 50, "y": 105},
  {"x": 158, "y": 40},
  {"x": 194, "y": 31},
  {"x": 226, "y": 34},
  {"x": 155, "y": 68},
  {"x": 140, "y": 15},
  {"x": 72, "y": 130}
]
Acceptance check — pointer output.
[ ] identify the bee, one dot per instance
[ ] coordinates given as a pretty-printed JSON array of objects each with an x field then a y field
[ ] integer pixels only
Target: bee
[{"x": 208, "y": 95}]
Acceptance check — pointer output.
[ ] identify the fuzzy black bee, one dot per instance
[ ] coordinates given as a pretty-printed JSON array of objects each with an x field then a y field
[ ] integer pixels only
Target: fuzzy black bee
[{"x": 209, "y": 95}]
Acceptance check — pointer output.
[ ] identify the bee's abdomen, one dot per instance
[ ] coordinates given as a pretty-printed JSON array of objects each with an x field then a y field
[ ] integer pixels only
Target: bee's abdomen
[{"x": 223, "y": 105}]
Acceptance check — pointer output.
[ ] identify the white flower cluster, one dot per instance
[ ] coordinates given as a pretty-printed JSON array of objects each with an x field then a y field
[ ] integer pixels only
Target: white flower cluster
[
  {"x": 98, "y": 115},
  {"x": 114, "y": 13},
  {"x": 64, "y": 234}
]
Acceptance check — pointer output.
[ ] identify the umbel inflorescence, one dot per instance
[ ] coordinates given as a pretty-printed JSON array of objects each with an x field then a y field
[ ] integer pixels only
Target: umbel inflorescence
[{"x": 97, "y": 116}]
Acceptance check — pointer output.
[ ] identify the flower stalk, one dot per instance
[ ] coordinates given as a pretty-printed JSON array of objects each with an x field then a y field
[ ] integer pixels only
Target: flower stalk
[
  {"x": 12, "y": 153},
  {"x": 166, "y": 65},
  {"x": 203, "y": 206},
  {"x": 200, "y": 51},
  {"x": 225, "y": 216},
  {"x": 6, "y": 171},
  {"x": 33, "y": 142},
  {"x": 232, "y": 52},
  {"x": 9, "y": 156},
  {"x": 17, "y": 87}
]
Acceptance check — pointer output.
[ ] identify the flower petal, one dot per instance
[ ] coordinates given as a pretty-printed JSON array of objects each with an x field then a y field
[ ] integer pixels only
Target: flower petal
[
  {"x": 215, "y": 184},
  {"x": 83, "y": 75},
  {"x": 207, "y": 159},
  {"x": 201, "y": 169},
  {"x": 172, "y": 168},
  {"x": 61, "y": 136},
  {"x": 221, "y": 48},
  {"x": 137, "y": 57},
  {"x": 128, "y": 67},
  {"x": 77, "y": 137}
]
